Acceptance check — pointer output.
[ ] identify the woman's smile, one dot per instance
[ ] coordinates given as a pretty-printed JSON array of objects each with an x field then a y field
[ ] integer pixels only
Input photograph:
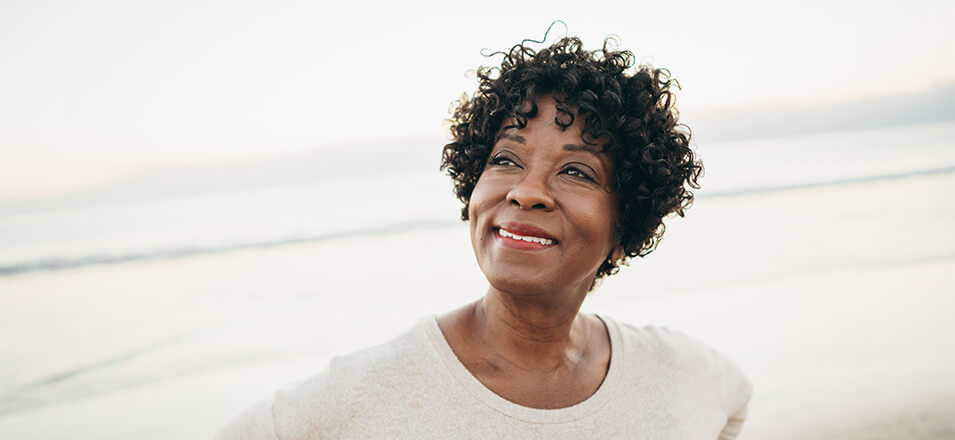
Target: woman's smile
[{"x": 524, "y": 237}]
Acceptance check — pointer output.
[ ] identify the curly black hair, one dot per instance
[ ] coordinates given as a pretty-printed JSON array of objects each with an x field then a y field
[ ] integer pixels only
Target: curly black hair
[{"x": 631, "y": 106}]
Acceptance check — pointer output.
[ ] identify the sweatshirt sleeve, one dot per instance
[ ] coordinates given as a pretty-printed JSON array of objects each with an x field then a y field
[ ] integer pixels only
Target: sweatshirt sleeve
[
  {"x": 255, "y": 423},
  {"x": 738, "y": 390},
  {"x": 313, "y": 409},
  {"x": 734, "y": 424}
]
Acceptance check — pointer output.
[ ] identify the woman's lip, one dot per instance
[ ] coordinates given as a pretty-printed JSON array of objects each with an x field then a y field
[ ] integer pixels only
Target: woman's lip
[
  {"x": 526, "y": 230},
  {"x": 520, "y": 244}
]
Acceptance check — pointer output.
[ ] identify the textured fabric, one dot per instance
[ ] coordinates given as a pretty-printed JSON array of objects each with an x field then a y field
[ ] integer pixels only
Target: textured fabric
[{"x": 660, "y": 385}]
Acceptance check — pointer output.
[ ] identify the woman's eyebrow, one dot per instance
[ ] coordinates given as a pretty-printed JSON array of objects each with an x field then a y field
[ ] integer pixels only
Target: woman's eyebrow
[
  {"x": 514, "y": 137},
  {"x": 578, "y": 147},
  {"x": 569, "y": 147}
]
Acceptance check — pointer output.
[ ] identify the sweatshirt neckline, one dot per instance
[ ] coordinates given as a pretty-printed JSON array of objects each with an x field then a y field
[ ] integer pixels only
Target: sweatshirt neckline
[{"x": 524, "y": 413}]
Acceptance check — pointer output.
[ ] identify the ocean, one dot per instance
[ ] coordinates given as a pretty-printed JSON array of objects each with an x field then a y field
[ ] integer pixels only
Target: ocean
[{"x": 201, "y": 220}]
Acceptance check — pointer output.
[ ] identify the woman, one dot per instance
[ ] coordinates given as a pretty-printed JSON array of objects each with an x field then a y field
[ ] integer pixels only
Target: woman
[{"x": 567, "y": 161}]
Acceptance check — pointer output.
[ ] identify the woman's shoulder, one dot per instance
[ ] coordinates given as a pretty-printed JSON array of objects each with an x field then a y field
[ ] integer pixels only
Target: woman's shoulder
[
  {"x": 320, "y": 403},
  {"x": 665, "y": 352},
  {"x": 671, "y": 343},
  {"x": 353, "y": 374},
  {"x": 385, "y": 359},
  {"x": 666, "y": 341}
]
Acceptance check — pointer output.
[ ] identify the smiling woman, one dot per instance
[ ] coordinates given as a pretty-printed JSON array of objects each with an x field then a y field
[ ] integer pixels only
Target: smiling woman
[
  {"x": 542, "y": 184},
  {"x": 567, "y": 161}
]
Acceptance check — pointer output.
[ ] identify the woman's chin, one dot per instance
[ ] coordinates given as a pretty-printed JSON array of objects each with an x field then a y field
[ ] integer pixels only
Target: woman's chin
[
  {"x": 518, "y": 289},
  {"x": 531, "y": 286}
]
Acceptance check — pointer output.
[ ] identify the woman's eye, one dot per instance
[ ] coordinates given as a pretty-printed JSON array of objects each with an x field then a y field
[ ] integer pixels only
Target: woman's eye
[
  {"x": 576, "y": 172},
  {"x": 501, "y": 160}
]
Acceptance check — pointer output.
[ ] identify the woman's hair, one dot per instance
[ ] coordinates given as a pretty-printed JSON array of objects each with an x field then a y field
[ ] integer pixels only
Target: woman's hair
[{"x": 631, "y": 106}]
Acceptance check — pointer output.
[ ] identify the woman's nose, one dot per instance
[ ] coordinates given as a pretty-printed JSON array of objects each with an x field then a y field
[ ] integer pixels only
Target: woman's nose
[{"x": 531, "y": 192}]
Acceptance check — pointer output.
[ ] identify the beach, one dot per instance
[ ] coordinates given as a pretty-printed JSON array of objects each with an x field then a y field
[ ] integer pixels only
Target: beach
[{"x": 836, "y": 295}]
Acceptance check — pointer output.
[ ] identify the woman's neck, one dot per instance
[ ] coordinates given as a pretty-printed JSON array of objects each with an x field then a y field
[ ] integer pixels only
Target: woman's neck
[
  {"x": 528, "y": 333},
  {"x": 536, "y": 354}
]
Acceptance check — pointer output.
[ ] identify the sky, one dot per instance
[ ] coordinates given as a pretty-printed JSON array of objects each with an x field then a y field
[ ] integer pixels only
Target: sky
[{"x": 95, "y": 90}]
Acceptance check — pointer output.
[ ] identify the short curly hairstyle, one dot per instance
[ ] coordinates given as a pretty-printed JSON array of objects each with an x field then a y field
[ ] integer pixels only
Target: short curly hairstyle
[{"x": 631, "y": 106}]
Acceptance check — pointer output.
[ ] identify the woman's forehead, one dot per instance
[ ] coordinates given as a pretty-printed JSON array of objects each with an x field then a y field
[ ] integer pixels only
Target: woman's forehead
[
  {"x": 564, "y": 117},
  {"x": 574, "y": 139}
]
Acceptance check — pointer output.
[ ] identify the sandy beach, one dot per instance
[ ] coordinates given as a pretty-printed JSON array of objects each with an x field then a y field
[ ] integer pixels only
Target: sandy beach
[{"x": 837, "y": 301}]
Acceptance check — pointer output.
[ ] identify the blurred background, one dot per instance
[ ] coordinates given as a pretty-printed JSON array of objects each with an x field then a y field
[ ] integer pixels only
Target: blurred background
[{"x": 203, "y": 201}]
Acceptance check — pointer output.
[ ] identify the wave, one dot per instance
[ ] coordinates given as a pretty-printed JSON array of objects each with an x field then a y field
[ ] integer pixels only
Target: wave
[
  {"x": 826, "y": 183},
  {"x": 57, "y": 264}
]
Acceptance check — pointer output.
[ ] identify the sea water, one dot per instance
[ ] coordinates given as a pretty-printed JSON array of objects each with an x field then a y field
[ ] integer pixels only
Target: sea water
[{"x": 198, "y": 222}]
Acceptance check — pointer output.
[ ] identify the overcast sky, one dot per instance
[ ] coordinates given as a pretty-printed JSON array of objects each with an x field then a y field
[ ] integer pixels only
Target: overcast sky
[{"x": 93, "y": 89}]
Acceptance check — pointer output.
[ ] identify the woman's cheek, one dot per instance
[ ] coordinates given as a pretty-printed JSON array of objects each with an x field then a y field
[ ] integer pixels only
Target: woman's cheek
[{"x": 483, "y": 194}]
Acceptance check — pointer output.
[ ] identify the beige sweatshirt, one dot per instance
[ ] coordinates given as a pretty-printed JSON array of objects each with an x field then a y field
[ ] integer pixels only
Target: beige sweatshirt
[{"x": 660, "y": 385}]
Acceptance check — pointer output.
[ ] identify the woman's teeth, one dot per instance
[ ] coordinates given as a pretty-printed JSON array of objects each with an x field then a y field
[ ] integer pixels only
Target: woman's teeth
[{"x": 544, "y": 241}]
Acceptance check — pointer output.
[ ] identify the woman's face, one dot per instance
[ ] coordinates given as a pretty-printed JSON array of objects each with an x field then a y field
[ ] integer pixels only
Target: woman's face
[{"x": 541, "y": 214}]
